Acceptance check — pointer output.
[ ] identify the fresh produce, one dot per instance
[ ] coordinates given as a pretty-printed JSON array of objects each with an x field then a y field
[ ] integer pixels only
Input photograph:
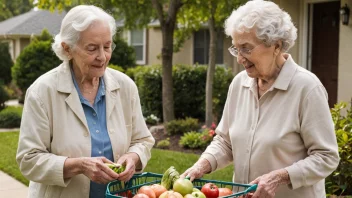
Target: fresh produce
[
  {"x": 127, "y": 194},
  {"x": 188, "y": 196},
  {"x": 171, "y": 194},
  {"x": 140, "y": 195},
  {"x": 196, "y": 190},
  {"x": 158, "y": 189},
  {"x": 225, "y": 192},
  {"x": 183, "y": 186},
  {"x": 210, "y": 190},
  {"x": 198, "y": 194},
  {"x": 169, "y": 177},
  {"x": 117, "y": 168},
  {"x": 147, "y": 190}
]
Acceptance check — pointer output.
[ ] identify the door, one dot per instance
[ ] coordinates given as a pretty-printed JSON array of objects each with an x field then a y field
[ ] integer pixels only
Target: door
[{"x": 325, "y": 45}]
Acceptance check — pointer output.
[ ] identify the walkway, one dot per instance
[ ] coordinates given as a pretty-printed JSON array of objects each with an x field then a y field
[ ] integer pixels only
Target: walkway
[{"x": 10, "y": 188}]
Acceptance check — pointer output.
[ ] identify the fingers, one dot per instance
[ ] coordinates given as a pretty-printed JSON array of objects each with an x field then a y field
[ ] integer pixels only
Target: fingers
[
  {"x": 129, "y": 171},
  {"x": 106, "y": 160},
  {"x": 256, "y": 181}
]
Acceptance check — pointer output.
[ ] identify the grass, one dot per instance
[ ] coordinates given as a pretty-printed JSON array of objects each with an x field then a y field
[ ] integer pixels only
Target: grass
[
  {"x": 18, "y": 109},
  {"x": 8, "y": 148},
  {"x": 163, "y": 159},
  {"x": 160, "y": 161}
]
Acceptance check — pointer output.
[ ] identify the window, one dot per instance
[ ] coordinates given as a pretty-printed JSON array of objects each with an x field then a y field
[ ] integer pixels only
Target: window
[
  {"x": 201, "y": 48},
  {"x": 137, "y": 41}
]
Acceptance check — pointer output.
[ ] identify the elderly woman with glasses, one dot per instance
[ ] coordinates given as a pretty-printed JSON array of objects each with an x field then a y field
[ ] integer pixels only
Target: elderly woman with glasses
[
  {"x": 276, "y": 126},
  {"x": 81, "y": 115}
]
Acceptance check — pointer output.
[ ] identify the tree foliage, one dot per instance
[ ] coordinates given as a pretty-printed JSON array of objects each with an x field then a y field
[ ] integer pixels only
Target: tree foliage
[
  {"x": 5, "y": 64},
  {"x": 36, "y": 59},
  {"x": 11, "y": 8},
  {"x": 123, "y": 55}
]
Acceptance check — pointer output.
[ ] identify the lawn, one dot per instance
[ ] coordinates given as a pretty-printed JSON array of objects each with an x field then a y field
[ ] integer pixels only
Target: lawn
[{"x": 160, "y": 161}]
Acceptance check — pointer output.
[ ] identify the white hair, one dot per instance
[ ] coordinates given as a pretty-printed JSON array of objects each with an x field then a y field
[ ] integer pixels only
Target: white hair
[
  {"x": 76, "y": 21},
  {"x": 270, "y": 23}
]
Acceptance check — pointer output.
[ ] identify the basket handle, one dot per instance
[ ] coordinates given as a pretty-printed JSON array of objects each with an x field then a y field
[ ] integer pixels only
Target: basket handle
[{"x": 252, "y": 188}]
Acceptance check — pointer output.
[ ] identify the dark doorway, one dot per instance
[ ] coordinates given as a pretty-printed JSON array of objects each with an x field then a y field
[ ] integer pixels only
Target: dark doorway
[{"x": 325, "y": 45}]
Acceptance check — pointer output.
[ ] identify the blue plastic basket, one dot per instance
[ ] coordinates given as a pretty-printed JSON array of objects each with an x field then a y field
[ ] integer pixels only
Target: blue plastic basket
[{"x": 139, "y": 180}]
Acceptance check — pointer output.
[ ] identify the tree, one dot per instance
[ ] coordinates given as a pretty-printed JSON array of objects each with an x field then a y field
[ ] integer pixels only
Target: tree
[
  {"x": 11, "y": 8},
  {"x": 36, "y": 59},
  {"x": 214, "y": 13},
  {"x": 123, "y": 55},
  {"x": 5, "y": 64},
  {"x": 137, "y": 14}
]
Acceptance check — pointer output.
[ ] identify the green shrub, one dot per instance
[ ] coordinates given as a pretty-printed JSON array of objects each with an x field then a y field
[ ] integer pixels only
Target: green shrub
[
  {"x": 123, "y": 55},
  {"x": 4, "y": 96},
  {"x": 163, "y": 144},
  {"x": 181, "y": 126},
  {"x": 189, "y": 89},
  {"x": 36, "y": 59},
  {"x": 340, "y": 181},
  {"x": 10, "y": 117},
  {"x": 5, "y": 64},
  {"x": 116, "y": 67},
  {"x": 152, "y": 119},
  {"x": 192, "y": 140}
]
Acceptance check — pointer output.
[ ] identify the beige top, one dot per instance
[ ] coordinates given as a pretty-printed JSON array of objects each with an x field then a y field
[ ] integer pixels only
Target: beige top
[
  {"x": 54, "y": 127},
  {"x": 289, "y": 127}
]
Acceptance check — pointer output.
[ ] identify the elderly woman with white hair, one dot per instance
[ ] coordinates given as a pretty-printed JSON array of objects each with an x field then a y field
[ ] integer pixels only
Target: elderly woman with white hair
[
  {"x": 81, "y": 115},
  {"x": 276, "y": 125}
]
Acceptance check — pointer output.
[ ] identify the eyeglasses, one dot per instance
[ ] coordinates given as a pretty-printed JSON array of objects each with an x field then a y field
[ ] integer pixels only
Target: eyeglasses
[{"x": 243, "y": 51}]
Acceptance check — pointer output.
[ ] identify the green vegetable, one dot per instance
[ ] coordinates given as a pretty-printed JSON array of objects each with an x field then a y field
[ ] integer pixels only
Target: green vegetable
[
  {"x": 117, "y": 168},
  {"x": 169, "y": 177}
]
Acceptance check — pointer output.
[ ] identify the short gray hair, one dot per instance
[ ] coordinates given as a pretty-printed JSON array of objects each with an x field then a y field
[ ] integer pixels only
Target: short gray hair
[
  {"x": 77, "y": 20},
  {"x": 269, "y": 21}
]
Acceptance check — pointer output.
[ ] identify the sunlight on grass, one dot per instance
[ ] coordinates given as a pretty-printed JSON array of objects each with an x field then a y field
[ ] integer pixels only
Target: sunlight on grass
[
  {"x": 8, "y": 147},
  {"x": 160, "y": 161}
]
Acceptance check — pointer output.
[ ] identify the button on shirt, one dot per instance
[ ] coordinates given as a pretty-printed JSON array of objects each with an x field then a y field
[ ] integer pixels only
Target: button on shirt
[
  {"x": 100, "y": 140},
  {"x": 289, "y": 127}
]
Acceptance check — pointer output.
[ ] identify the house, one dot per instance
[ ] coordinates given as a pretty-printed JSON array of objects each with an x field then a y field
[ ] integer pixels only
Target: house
[
  {"x": 322, "y": 46},
  {"x": 17, "y": 31}
]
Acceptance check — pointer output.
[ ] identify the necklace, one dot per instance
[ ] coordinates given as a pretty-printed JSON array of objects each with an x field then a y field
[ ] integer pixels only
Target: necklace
[{"x": 85, "y": 89}]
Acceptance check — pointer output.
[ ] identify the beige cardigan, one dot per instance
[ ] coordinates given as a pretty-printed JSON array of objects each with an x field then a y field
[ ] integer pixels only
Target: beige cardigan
[
  {"x": 54, "y": 127},
  {"x": 289, "y": 127}
]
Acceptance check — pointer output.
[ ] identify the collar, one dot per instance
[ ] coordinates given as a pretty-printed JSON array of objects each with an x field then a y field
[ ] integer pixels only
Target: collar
[
  {"x": 283, "y": 80},
  {"x": 65, "y": 83}
]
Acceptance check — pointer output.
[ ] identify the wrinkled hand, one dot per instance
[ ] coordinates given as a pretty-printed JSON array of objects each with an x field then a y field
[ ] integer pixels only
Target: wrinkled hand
[
  {"x": 201, "y": 167},
  {"x": 129, "y": 160},
  {"x": 268, "y": 183},
  {"x": 95, "y": 169}
]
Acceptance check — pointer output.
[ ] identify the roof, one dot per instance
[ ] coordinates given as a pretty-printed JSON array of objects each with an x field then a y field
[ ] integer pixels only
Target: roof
[{"x": 32, "y": 22}]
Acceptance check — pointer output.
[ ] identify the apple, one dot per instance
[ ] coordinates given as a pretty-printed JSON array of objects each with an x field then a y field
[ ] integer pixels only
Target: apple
[
  {"x": 188, "y": 196},
  {"x": 198, "y": 194},
  {"x": 141, "y": 195},
  {"x": 225, "y": 192},
  {"x": 210, "y": 190},
  {"x": 158, "y": 189},
  {"x": 183, "y": 186},
  {"x": 147, "y": 190},
  {"x": 170, "y": 194},
  {"x": 196, "y": 190}
]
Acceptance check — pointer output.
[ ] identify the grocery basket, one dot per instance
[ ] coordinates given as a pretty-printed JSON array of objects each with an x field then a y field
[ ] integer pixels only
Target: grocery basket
[{"x": 147, "y": 178}]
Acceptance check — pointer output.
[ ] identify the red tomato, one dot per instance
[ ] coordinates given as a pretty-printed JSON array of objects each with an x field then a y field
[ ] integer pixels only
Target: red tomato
[
  {"x": 225, "y": 192},
  {"x": 210, "y": 190},
  {"x": 148, "y": 191},
  {"x": 127, "y": 194}
]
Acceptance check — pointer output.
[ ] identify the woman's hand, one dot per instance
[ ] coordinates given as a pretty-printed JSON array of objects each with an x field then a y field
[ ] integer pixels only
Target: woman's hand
[
  {"x": 129, "y": 160},
  {"x": 201, "y": 167},
  {"x": 95, "y": 169},
  {"x": 268, "y": 183}
]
